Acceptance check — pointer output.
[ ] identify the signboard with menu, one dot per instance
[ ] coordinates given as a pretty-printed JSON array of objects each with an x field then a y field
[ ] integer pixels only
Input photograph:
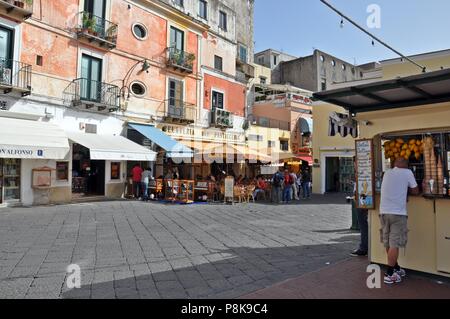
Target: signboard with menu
[
  {"x": 229, "y": 188},
  {"x": 365, "y": 174}
]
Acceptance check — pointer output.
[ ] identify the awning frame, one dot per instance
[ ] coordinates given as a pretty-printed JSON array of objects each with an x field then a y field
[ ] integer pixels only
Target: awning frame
[{"x": 373, "y": 92}]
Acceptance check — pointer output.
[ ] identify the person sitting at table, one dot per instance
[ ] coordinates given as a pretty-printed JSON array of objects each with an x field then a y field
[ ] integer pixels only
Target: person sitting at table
[{"x": 260, "y": 187}]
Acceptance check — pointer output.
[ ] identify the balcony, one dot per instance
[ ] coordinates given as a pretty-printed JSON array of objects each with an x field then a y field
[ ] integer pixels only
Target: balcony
[
  {"x": 93, "y": 95},
  {"x": 271, "y": 123},
  {"x": 180, "y": 60},
  {"x": 177, "y": 111},
  {"x": 283, "y": 99},
  {"x": 22, "y": 9},
  {"x": 221, "y": 118},
  {"x": 247, "y": 70},
  {"x": 97, "y": 30},
  {"x": 15, "y": 76}
]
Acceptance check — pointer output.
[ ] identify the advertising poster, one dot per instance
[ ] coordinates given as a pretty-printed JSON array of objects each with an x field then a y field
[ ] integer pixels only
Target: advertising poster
[{"x": 364, "y": 175}]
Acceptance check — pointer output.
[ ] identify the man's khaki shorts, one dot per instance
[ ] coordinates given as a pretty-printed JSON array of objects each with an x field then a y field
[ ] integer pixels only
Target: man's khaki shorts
[{"x": 394, "y": 231}]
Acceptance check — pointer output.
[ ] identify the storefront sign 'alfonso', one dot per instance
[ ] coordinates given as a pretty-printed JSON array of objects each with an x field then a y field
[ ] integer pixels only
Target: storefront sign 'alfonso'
[{"x": 22, "y": 153}]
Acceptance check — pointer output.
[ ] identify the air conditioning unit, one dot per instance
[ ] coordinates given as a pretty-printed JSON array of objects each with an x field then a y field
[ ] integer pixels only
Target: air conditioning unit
[
  {"x": 222, "y": 118},
  {"x": 5, "y": 75}
]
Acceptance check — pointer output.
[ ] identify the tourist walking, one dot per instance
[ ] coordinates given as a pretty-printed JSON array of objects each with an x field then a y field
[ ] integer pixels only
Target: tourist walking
[
  {"x": 287, "y": 187},
  {"x": 306, "y": 184},
  {"x": 136, "y": 174},
  {"x": 294, "y": 191},
  {"x": 277, "y": 183},
  {"x": 145, "y": 180}
]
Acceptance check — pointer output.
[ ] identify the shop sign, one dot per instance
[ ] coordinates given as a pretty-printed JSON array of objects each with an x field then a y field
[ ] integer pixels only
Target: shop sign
[
  {"x": 21, "y": 153},
  {"x": 364, "y": 174},
  {"x": 229, "y": 187},
  {"x": 301, "y": 99}
]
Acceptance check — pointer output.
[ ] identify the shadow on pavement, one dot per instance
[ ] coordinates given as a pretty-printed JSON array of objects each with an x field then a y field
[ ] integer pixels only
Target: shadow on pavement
[{"x": 228, "y": 274}]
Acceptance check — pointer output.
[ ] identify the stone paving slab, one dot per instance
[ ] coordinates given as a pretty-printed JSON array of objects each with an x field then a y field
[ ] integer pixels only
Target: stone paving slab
[{"x": 131, "y": 249}]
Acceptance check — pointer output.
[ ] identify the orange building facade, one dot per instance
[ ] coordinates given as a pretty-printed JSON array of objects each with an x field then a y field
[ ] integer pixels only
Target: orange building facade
[
  {"x": 95, "y": 66},
  {"x": 288, "y": 109}
]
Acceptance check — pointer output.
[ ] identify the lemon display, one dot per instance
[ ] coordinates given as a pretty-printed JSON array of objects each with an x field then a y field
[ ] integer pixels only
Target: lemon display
[{"x": 402, "y": 148}]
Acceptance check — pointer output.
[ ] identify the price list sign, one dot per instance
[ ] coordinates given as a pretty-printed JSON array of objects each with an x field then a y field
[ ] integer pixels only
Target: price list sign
[{"x": 364, "y": 175}]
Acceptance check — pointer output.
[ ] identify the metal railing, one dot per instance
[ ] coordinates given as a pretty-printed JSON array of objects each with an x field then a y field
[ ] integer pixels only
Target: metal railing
[
  {"x": 90, "y": 92},
  {"x": 180, "y": 59},
  {"x": 95, "y": 27},
  {"x": 15, "y": 74},
  {"x": 179, "y": 110},
  {"x": 270, "y": 123},
  {"x": 25, "y": 5},
  {"x": 241, "y": 77},
  {"x": 283, "y": 98}
]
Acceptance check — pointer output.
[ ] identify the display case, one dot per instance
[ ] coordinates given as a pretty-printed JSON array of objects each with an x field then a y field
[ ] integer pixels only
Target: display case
[
  {"x": 41, "y": 178},
  {"x": 179, "y": 190},
  {"x": 79, "y": 185},
  {"x": 204, "y": 191},
  {"x": 187, "y": 192},
  {"x": 429, "y": 159},
  {"x": 9, "y": 180},
  {"x": 156, "y": 188}
]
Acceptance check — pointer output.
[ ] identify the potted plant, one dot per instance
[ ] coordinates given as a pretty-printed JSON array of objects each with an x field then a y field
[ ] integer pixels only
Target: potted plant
[
  {"x": 190, "y": 60},
  {"x": 29, "y": 4},
  {"x": 176, "y": 57},
  {"x": 111, "y": 33},
  {"x": 88, "y": 24}
]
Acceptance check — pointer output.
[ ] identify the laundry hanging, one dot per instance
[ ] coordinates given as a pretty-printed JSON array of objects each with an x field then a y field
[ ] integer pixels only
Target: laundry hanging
[{"x": 342, "y": 124}]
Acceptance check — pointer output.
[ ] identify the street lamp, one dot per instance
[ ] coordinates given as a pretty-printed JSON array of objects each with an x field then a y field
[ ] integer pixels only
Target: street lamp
[{"x": 125, "y": 89}]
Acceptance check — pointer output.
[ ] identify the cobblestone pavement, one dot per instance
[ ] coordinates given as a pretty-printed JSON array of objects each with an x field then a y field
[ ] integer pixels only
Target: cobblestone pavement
[{"x": 140, "y": 250}]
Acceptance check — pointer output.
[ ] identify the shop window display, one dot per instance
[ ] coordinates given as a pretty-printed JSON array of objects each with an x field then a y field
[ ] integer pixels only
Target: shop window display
[
  {"x": 115, "y": 171},
  {"x": 9, "y": 180},
  {"x": 428, "y": 156},
  {"x": 62, "y": 171}
]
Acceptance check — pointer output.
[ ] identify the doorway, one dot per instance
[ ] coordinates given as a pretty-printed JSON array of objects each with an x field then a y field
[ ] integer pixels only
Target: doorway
[
  {"x": 6, "y": 53},
  {"x": 91, "y": 74},
  {"x": 88, "y": 176},
  {"x": 332, "y": 175},
  {"x": 340, "y": 175}
]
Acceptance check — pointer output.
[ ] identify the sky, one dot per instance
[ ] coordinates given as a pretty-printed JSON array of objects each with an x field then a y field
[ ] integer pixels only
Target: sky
[{"x": 298, "y": 27}]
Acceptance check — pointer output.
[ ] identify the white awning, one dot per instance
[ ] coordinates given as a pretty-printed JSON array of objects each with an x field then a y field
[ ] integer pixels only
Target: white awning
[
  {"x": 32, "y": 139},
  {"x": 113, "y": 148}
]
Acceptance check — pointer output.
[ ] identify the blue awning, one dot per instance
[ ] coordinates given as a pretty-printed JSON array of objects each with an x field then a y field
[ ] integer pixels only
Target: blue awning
[
  {"x": 306, "y": 125},
  {"x": 173, "y": 148}
]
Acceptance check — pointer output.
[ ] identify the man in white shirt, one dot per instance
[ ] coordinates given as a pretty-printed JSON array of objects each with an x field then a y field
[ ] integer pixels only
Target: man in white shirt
[
  {"x": 394, "y": 215},
  {"x": 145, "y": 180}
]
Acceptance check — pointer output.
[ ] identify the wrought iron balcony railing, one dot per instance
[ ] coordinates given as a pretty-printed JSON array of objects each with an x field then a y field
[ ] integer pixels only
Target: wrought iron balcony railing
[
  {"x": 181, "y": 60},
  {"x": 179, "y": 111},
  {"x": 93, "y": 94},
  {"x": 96, "y": 29},
  {"x": 15, "y": 75},
  {"x": 23, "y": 8}
]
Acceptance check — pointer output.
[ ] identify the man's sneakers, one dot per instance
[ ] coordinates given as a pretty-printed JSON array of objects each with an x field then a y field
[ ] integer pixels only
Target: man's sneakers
[
  {"x": 358, "y": 253},
  {"x": 394, "y": 279},
  {"x": 401, "y": 272}
]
